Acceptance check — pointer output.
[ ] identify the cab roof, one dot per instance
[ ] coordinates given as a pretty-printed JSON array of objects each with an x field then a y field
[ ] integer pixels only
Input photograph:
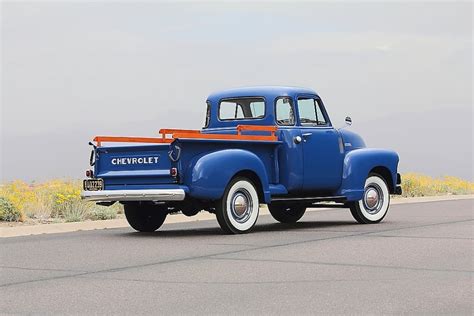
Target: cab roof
[{"x": 260, "y": 91}]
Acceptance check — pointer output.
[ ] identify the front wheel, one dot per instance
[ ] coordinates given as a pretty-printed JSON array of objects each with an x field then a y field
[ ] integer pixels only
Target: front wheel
[
  {"x": 145, "y": 217},
  {"x": 237, "y": 211},
  {"x": 374, "y": 205}
]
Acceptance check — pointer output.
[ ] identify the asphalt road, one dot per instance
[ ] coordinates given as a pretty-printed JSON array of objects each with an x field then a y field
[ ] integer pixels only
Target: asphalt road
[{"x": 419, "y": 260}]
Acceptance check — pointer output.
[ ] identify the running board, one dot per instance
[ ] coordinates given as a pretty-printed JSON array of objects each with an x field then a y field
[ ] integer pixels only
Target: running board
[{"x": 310, "y": 200}]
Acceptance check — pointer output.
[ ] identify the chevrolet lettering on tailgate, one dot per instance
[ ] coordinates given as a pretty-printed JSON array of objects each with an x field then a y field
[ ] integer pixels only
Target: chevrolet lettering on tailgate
[
  {"x": 259, "y": 145},
  {"x": 135, "y": 161}
]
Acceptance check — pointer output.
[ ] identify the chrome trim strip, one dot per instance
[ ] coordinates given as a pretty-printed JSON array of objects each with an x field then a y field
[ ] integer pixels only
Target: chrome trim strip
[{"x": 134, "y": 195}]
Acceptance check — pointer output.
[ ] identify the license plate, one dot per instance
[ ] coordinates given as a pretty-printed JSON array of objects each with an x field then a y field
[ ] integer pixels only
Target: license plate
[{"x": 93, "y": 184}]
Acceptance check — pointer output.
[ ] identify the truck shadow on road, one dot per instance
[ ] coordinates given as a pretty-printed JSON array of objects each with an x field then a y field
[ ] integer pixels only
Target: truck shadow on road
[{"x": 193, "y": 229}]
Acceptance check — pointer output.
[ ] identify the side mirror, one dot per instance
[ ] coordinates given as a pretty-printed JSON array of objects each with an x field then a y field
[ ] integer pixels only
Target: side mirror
[{"x": 348, "y": 121}]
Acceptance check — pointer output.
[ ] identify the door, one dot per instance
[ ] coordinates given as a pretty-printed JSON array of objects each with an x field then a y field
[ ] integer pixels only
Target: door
[{"x": 322, "y": 146}]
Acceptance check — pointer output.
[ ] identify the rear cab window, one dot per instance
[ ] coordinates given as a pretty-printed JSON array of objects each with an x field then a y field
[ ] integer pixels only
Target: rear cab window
[{"x": 242, "y": 109}]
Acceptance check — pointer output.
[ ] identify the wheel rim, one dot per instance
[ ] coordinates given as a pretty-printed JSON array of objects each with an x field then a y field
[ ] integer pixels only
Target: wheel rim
[
  {"x": 241, "y": 205},
  {"x": 373, "y": 198}
]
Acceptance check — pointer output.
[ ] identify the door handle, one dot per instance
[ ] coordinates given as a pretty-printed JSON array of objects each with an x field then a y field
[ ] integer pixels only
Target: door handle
[{"x": 306, "y": 135}]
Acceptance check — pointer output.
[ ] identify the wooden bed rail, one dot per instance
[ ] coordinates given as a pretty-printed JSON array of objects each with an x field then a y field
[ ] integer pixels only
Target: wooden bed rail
[
  {"x": 195, "y": 134},
  {"x": 120, "y": 139}
]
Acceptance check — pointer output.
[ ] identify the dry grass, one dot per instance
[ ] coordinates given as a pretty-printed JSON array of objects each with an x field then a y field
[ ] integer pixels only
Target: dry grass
[{"x": 59, "y": 200}]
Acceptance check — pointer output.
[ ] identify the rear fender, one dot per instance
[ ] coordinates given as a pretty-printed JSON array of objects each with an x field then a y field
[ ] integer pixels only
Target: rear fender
[
  {"x": 357, "y": 166},
  {"x": 209, "y": 174}
]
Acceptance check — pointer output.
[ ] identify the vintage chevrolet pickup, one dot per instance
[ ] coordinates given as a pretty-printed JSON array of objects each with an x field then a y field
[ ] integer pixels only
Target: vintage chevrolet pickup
[{"x": 260, "y": 145}]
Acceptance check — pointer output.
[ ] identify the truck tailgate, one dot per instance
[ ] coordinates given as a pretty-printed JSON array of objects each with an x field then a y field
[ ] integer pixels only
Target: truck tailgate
[{"x": 133, "y": 165}]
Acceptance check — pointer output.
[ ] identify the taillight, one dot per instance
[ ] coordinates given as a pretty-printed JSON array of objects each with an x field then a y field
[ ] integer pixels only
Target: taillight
[
  {"x": 174, "y": 172},
  {"x": 89, "y": 173}
]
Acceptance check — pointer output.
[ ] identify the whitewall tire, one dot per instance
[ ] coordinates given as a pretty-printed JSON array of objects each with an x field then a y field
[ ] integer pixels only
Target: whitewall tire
[
  {"x": 237, "y": 211},
  {"x": 374, "y": 204}
]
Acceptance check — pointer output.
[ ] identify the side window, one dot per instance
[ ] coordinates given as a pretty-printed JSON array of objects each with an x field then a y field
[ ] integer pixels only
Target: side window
[
  {"x": 242, "y": 109},
  {"x": 310, "y": 112},
  {"x": 284, "y": 112},
  {"x": 307, "y": 111},
  {"x": 208, "y": 115}
]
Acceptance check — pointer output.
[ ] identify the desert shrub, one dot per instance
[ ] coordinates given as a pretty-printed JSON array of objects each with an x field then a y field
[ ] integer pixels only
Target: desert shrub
[
  {"x": 44, "y": 200},
  {"x": 420, "y": 185},
  {"x": 41, "y": 207},
  {"x": 118, "y": 208},
  {"x": 18, "y": 193},
  {"x": 75, "y": 211},
  {"x": 8, "y": 212},
  {"x": 457, "y": 185},
  {"x": 65, "y": 195},
  {"x": 55, "y": 200},
  {"x": 102, "y": 212}
]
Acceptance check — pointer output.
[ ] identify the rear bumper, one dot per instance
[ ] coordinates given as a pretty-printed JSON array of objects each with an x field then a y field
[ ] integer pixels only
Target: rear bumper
[{"x": 134, "y": 195}]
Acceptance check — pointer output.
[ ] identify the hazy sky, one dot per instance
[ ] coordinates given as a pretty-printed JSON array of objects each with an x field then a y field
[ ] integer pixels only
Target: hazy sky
[{"x": 71, "y": 70}]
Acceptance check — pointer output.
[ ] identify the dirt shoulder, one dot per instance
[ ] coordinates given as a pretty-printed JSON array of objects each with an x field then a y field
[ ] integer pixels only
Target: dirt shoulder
[{"x": 24, "y": 229}]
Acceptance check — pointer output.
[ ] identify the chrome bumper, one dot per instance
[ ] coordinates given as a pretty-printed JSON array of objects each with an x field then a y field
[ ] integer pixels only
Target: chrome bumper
[{"x": 134, "y": 195}]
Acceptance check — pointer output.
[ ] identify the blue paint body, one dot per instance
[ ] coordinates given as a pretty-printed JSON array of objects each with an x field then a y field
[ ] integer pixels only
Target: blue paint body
[
  {"x": 329, "y": 162},
  {"x": 205, "y": 169}
]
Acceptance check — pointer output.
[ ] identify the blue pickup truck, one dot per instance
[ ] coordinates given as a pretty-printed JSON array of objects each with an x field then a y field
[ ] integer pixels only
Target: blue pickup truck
[{"x": 260, "y": 145}]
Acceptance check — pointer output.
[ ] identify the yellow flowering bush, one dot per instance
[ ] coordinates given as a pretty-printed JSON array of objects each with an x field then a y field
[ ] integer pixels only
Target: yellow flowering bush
[
  {"x": 65, "y": 195},
  {"x": 55, "y": 199},
  {"x": 18, "y": 193},
  {"x": 414, "y": 184}
]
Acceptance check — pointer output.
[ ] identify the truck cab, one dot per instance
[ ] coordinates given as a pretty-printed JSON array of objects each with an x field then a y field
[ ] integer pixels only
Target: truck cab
[{"x": 260, "y": 145}]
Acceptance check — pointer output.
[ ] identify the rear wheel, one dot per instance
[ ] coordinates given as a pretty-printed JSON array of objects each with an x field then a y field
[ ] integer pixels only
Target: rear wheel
[
  {"x": 145, "y": 217},
  {"x": 286, "y": 214},
  {"x": 237, "y": 211},
  {"x": 375, "y": 203}
]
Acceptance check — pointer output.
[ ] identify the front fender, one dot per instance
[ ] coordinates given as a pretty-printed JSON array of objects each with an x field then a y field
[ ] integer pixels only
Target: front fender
[
  {"x": 357, "y": 166},
  {"x": 210, "y": 173}
]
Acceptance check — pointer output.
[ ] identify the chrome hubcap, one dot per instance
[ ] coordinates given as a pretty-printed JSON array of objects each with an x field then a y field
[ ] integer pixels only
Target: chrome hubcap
[
  {"x": 373, "y": 198},
  {"x": 241, "y": 205}
]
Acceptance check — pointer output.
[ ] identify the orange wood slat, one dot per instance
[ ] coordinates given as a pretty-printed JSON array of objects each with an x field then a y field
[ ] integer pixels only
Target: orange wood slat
[
  {"x": 225, "y": 136},
  {"x": 166, "y": 131},
  {"x": 120, "y": 139},
  {"x": 266, "y": 128},
  {"x": 194, "y": 134}
]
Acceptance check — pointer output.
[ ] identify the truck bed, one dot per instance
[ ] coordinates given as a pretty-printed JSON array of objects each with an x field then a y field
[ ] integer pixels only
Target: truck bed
[{"x": 148, "y": 166}]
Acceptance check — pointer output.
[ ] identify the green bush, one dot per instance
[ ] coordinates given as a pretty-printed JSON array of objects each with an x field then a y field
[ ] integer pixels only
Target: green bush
[
  {"x": 102, "y": 212},
  {"x": 8, "y": 212}
]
